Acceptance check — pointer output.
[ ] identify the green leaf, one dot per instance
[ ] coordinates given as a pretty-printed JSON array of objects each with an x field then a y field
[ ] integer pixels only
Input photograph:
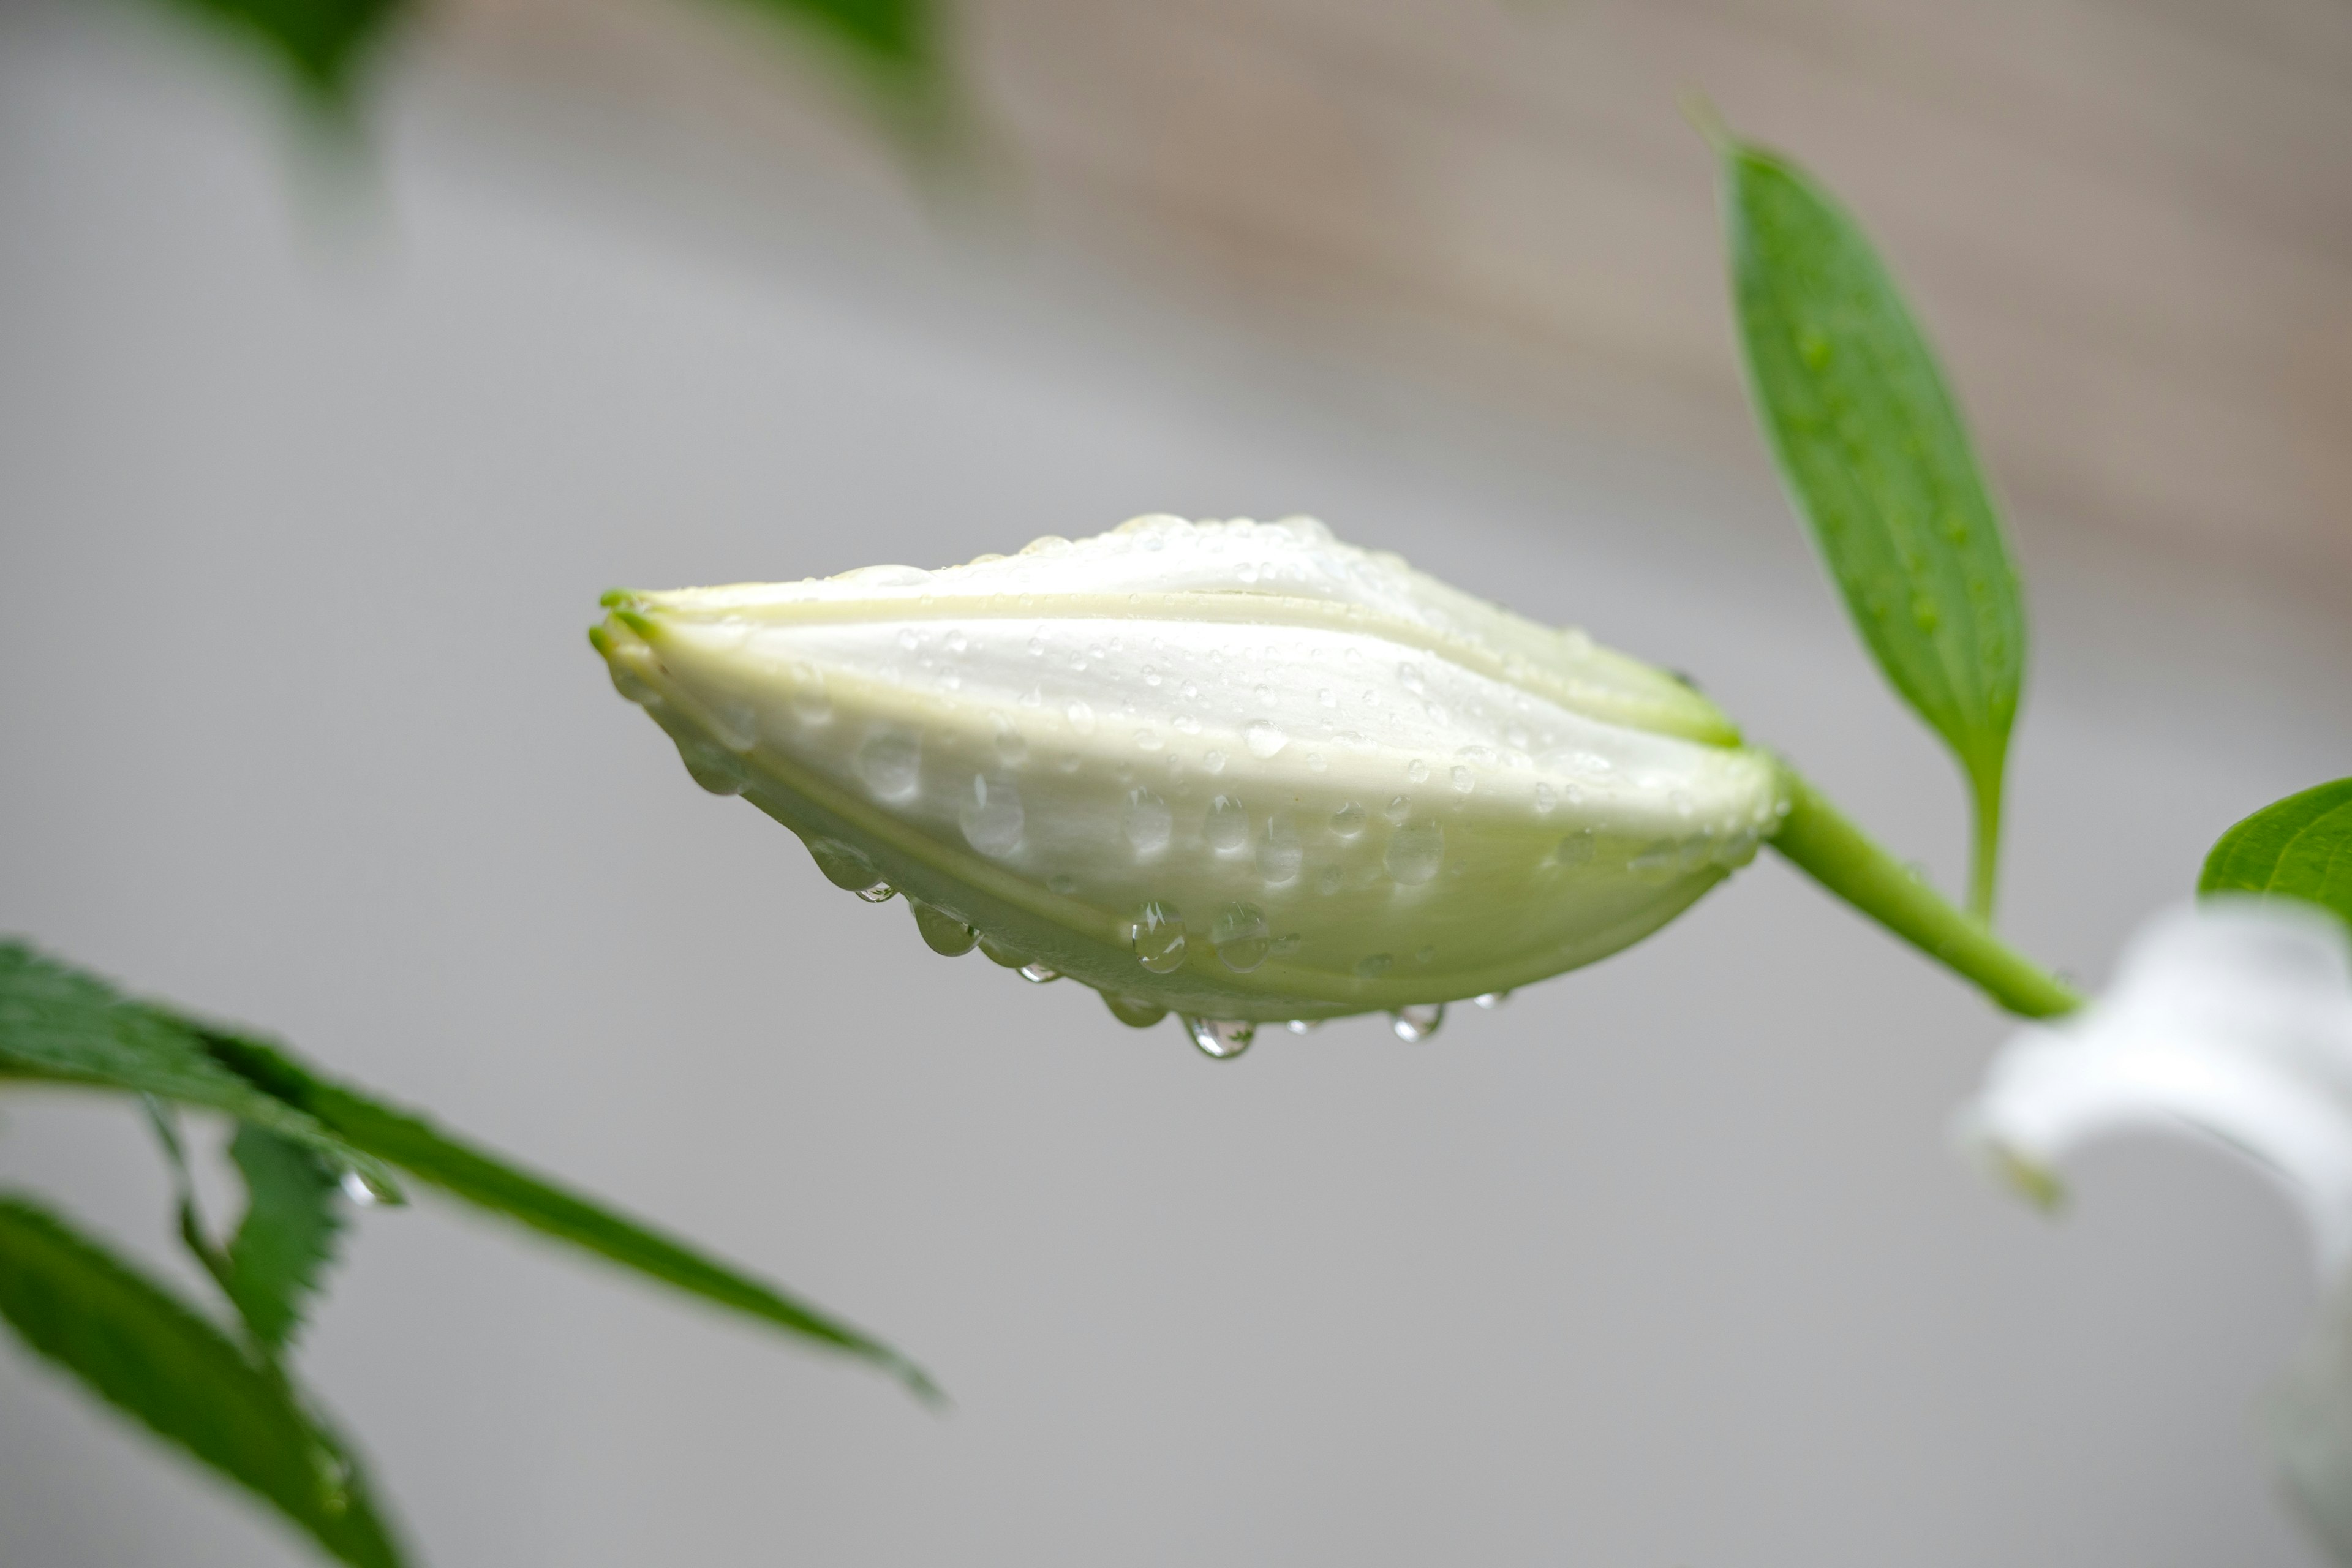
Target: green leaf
[
  {"x": 137, "y": 1347},
  {"x": 2299, "y": 848},
  {"x": 321, "y": 44},
  {"x": 287, "y": 1239},
  {"x": 60, "y": 1024},
  {"x": 1871, "y": 443},
  {"x": 404, "y": 1138}
]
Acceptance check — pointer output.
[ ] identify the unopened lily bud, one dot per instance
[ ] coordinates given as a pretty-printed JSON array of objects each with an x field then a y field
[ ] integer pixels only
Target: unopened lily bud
[{"x": 1238, "y": 771}]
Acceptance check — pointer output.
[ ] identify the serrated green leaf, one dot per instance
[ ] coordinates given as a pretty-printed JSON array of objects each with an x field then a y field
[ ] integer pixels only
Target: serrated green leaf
[
  {"x": 286, "y": 1242},
  {"x": 61, "y": 1023},
  {"x": 488, "y": 1181},
  {"x": 1871, "y": 443},
  {"x": 2299, "y": 848},
  {"x": 136, "y": 1346}
]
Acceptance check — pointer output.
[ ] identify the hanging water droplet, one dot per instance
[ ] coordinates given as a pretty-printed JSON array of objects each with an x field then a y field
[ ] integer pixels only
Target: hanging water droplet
[
  {"x": 1157, "y": 936},
  {"x": 1413, "y": 1025},
  {"x": 996, "y": 951},
  {"x": 1241, "y": 936},
  {"x": 992, "y": 817},
  {"x": 890, "y": 764},
  {"x": 1147, "y": 823},
  {"x": 1223, "y": 1038},
  {"x": 1037, "y": 974},
  {"x": 1415, "y": 851},
  {"x": 1134, "y": 1011},
  {"x": 1347, "y": 822},
  {"x": 843, "y": 865},
  {"x": 1263, "y": 739},
  {"x": 1491, "y": 1000},
  {"x": 711, "y": 768},
  {"x": 942, "y": 932},
  {"x": 1303, "y": 1026},
  {"x": 877, "y": 892},
  {"x": 1227, "y": 828},
  {"x": 1278, "y": 852},
  {"x": 364, "y": 1189}
]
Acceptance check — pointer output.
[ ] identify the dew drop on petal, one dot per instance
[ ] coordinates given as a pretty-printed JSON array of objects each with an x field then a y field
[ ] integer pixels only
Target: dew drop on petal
[
  {"x": 843, "y": 865},
  {"x": 1214, "y": 761},
  {"x": 1241, "y": 937},
  {"x": 1463, "y": 780},
  {"x": 992, "y": 815},
  {"x": 1415, "y": 851},
  {"x": 1347, "y": 822},
  {"x": 1417, "y": 771},
  {"x": 1398, "y": 808},
  {"x": 1413, "y": 1025},
  {"x": 1157, "y": 936},
  {"x": 942, "y": 931},
  {"x": 1134, "y": 1011},
  {"x": 1081, "y": 716},
  {"x": 711, "y": 768},
  {"x": 1227, "y": 828},
  {"x": 890, "y": 764},
  {"x": 1278, "y": 851},
  {"x": 809, "y": 700},
  {"x": 1147, "y": 823},
  {"x": 1374, "y": 967},
  {"x": 1263, "y": 739},
  {"x": 1223, "y": 1038}
]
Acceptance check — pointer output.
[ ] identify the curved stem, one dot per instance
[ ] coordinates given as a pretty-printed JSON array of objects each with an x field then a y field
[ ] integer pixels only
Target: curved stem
[{"x": 1823, "y": 843}]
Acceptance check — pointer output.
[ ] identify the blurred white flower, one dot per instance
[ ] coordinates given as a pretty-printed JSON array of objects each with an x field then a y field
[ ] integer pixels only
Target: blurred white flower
[
  {"x": 1239, "y": 771},
  {"x": 2230, "y": 1021}
]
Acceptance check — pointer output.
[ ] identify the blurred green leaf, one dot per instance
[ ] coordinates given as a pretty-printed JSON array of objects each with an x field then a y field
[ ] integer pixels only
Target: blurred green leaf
[
  {"x": 321, "y": 44},
  {"x": 287, "y": 1240},
  {"x": 406, "y": 1139},
  {"x": 137, "y": 1347},
  {"x": 61, "y": 1023},
  {"x": 2299, "y": 848},
  {"x": 1871, "y": 443}
]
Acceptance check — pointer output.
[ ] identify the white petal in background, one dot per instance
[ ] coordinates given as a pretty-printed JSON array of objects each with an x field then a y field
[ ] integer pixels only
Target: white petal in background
[{"x": 2230, "y": 1021}]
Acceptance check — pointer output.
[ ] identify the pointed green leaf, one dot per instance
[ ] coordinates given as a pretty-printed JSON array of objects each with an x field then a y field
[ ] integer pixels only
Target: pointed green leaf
[
  {"x": 58, "y": 1023},
  {"x": 287, "y": 1239},
  {"x": 1871, "y": 443},
  {"x": 404, "y": 1139},
  {"x": 2299, "y": 848},
  {"x": 137, "y": 1347}
]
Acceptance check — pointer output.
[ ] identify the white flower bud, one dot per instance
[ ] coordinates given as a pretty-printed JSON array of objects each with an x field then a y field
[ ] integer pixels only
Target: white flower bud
[{"x": 1238, "y": 770}]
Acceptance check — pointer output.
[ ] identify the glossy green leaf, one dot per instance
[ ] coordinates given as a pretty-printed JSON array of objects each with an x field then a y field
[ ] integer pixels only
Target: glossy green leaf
[
  {"x": 1871, "y": 443},
  {"x": 136, "y": 1346},
  {"x": 2299, "y": 848},
  {"x": 406, "y": 1139},
  {"x": 286, "y": 1242},
  {"x": 61, "y": 1023}
]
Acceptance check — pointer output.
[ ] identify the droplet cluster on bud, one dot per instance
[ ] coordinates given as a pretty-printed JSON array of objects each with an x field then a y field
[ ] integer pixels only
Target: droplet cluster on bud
[{"x": 1236, "y": 771}]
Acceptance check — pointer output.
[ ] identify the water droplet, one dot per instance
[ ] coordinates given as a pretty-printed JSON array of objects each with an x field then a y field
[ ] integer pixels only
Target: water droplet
[
  {"x": 1263, "y": 739},
  {"x": 1413, "y": 1025},
  {"x": 1330, "y": 881},
  {"x": 1409, "y": 677},
  {"x": 711, "y": 768},
  {"x": 1148, "y": 740},
  {"x": 1034, "y": 698},
  {"x": 1227, "y": 828},
  {"x": 1398, "y": 808},
  {"x": 1134, "y": 1011},
  {"x": 1081, "y": 716},
  {"x": 1544, "y": 799},
  {"x": 942, "y": 932},
  {"x": 1147, "y": 823},
  {"x": 809, "y": 698},
  {"x": 992, "y": 817},
  {"x": 1576, "y": 849},
  {"x": 1491, "y": 1000},
  {"x": 1011, "y": 746},
  {"x": 1659, "y": 858},
  {"x": 996, "y": 951},
  {"x": 1188, "y": 691},
  {"x": 1038, "y": 973},
  {"x": 1415, "y": 850},
  {"x": 1214, "y": 761},
  {"x": 843, "y": 865},
  {"x": 364, "y": 1189},
  {"x": 1303, "y": 1026},
  {"x": 890, "y": 764},
  {"x": 1157, "y": 936},
  {"x": 1417, "y": 771},
  {"x": 1265, "y": 695},
  {"x": 1241, "y": 937},
  {"x": 1373, "y": 967},
  {"x": 1278, "y": 852},
  {"x": 1462, "y": 779},
  {"x": 1223, "y": 1038},
  {"x": 1347, "y": 822},
  {"x": 877, "y": 892}
]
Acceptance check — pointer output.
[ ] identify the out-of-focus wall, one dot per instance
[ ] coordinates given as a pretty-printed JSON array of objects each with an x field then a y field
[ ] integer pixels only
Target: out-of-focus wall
[{"x": 306, "y": 507}]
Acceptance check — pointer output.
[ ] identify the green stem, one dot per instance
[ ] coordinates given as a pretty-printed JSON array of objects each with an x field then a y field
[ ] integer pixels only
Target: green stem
[
  {"x": 1821, "y": 842},
  {"x": 1985, "y": 853}
]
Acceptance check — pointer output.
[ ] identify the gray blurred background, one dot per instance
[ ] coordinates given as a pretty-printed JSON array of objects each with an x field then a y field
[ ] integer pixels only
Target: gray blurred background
[{"x": 309, "y": 483}]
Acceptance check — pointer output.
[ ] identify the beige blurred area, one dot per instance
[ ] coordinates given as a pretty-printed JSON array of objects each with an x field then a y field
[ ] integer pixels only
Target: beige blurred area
[
  {"x": 2127, "y": 224},
  {"x": 312, "y": 472}
]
